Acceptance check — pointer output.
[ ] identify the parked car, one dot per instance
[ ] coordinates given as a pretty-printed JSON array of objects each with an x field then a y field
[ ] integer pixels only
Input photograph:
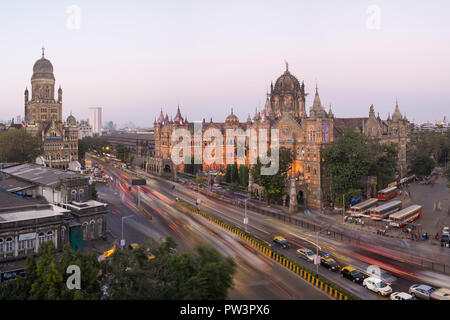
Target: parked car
[
  {"x": 352, "y": 274},
  {"x": 306, "y": 254},
  {"x": 282, "y": 242},
  {"x": 329, "y": 263},
  {"x": 377, "y": 285},
  {"x": 401, "y": 296},
  {"x": 440, "y": 294},
  {"x": 421, "y": 291},
  {"x": 445, "y": 231}
]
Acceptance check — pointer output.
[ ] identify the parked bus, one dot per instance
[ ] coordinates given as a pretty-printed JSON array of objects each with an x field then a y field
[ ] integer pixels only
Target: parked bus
[
  {"x": 362, "y": 207},
  {"x": 402, "y": 217},
  {"x": 383, "y": 211},
  {"x": 387, "y": 193}
]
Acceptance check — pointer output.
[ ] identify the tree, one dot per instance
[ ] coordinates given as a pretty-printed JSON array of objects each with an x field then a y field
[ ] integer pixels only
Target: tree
[
  {"x": 83, "y": 147},
  {"x": 274, "y": 185},
  {"x": 122, "y": 152},
  {"x": 243, "y": 175},
  {"x": 423, "y": 165},
  {"x": 94, "y": 194},
  {"x": 385, "y": 165},
  {"x": 348, "y": 159},
  {"x": 17, "y": 145},
  {"x": 46, "y": 279}
]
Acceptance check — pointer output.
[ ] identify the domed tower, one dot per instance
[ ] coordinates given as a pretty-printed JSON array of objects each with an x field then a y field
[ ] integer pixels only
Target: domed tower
[
  {"x": 43, "y": 107},
  {"x": 288, "y": 96}
]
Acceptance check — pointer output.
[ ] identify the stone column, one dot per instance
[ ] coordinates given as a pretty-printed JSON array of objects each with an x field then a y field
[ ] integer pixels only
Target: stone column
[{"x": 292, "y": 196}]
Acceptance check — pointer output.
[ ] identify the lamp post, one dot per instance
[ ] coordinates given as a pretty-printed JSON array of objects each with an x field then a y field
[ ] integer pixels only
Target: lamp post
[
  {"x": 245, "y": 216},
  {"x": 122, "y": 241}
]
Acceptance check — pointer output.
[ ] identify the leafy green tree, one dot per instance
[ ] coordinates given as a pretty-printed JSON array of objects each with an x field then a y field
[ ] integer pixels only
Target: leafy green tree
[
  {"x": 228, "y": 174},
  {"x": 83, "y": 147},
  {"x": 423, "y": 165},
  {"x": 243, "y": 175},
  {"x": 274, "y": 185},
  {"x": 385, "y": 165},
  {"x": 17, "y": 145},
  {"x": 94, "y": 193}
]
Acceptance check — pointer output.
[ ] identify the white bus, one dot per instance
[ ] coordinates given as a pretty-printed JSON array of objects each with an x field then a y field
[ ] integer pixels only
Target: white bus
[
  {"x": 402, "y": 217},
  {"x": 383, "y": 211},
  {"x": 362, "y": 207}
]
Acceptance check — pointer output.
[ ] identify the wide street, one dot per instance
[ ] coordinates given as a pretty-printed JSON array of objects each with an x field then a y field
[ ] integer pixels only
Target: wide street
[
  {"x": 256, "y": 277},
  {"x": 159, "y": 195}
]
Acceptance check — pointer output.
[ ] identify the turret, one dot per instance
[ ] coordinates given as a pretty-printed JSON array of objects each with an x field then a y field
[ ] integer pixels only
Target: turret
[
  {"x": 26, "y": 94},
  {"x": 60, "y": 95}
]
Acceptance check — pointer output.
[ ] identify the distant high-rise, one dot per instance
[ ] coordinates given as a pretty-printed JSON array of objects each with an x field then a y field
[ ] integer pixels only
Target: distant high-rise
[{"x": 95, "y": 119}]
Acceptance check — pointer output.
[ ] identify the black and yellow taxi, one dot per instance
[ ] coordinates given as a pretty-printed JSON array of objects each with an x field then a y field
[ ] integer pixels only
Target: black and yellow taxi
[
  {"x": 329, "y": 263},
  {"x": 134, "y": 246},
  {"x": 352, "y": 274},
  {"x": 282, "y": 242}
]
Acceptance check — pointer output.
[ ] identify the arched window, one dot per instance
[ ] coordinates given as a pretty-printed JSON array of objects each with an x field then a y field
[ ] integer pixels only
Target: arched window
[
  {"x": 30, "y": 244},
  {"x": 99, "y": 227},
  {"x": 21, "y": 244},
  {"x": 81, "y": 193},
  {"x": 1, "y": 245},
  {"x": 92, "y": 227},
  {"x": 41, "y": 238},
  {"x": 85, "y": 230},
  {"x": 63, "y": 234},
  {"x": 50, "y": 235},
  {"x": 9, "y": 245},
  {"x": 74, "y": 195}
]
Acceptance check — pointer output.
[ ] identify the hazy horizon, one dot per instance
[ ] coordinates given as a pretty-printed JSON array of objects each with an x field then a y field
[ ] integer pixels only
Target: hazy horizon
[{"x": 132, "y": 58}]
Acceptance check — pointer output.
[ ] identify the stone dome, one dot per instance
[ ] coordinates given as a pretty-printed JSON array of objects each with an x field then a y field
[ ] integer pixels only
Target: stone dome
[
  {"x": 232, "y": 118},
  {"x": 287, "y": 82},
  {"x": 71, "y": 120},
  {"x": 43, "y": 69}
]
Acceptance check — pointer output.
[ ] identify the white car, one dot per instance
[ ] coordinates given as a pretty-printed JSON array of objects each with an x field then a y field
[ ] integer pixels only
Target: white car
[
  {"x": 306, "y": 254},
  {"x": 401, "y": 296},
  {"x": 377, "y": 285}
]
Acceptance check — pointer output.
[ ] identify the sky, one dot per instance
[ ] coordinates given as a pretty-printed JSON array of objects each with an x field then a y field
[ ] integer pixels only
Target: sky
[{"x": 133, "y": 58}]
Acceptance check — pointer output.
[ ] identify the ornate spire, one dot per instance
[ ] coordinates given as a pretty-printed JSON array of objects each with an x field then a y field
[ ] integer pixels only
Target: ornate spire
[
  {"x": 287, "y": 65},
  {"x": 330, "y": 112},
  {"x": 43, "y": 53},
  {"x": 372, "y": 112}
]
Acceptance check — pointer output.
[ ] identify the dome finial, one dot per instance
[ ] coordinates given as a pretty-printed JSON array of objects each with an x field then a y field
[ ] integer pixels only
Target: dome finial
[
  {"x": 43, "y": 49},
  {"x": 287, "y": 65}
]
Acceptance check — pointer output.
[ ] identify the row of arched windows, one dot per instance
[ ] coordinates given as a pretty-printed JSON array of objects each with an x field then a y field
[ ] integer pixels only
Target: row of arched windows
[
  {"x": 92, "y": 228},
  {"x": 7, "y": 245}
]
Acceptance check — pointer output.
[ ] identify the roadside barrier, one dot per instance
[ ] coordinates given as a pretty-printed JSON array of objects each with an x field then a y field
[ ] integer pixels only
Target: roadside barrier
[{"x": 323, "y": 284}]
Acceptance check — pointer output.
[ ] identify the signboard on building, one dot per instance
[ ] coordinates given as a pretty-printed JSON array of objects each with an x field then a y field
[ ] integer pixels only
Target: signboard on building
[
  {"x": 9, "y": 275},
  {"x": 27, "y": 236}
]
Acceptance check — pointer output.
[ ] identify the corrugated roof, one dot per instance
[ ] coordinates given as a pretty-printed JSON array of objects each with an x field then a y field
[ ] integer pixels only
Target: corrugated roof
[{"x": 41, "y": 175}]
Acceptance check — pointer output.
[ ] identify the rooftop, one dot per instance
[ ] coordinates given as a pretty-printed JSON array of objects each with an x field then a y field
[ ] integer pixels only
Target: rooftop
[
  {"x": 37, "y": 213},
  {"x": 39, "y": 174}
]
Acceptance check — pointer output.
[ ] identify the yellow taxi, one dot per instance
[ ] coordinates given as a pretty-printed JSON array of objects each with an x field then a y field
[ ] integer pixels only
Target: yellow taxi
[
  {"x": 352, "y": 274},
  {"x": 134, "y": 246},
  {"x": 282, "y": 242}
]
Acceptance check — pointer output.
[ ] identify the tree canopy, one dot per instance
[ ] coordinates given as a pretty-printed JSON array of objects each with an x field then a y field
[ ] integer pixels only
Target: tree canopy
[
  {"x": 17, "y": 145},
  {"x": 352, "y": 156},
  {"x": 128, "y": 274}
]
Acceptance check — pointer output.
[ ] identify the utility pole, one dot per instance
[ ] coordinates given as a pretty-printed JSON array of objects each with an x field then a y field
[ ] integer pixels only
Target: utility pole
[
  {"x": 122, "y": 241},
  {"x": 245, "y": 216}
]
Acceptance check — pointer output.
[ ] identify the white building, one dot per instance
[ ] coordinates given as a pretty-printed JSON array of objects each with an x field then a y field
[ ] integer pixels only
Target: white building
[
  {"x": 85, "y": 130},
  {"x": 95, "y": 119}
]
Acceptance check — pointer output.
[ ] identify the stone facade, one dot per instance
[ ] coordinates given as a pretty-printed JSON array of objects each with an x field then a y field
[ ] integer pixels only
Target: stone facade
[
  {"x": 43, "y": 117},
  {"x": 306, "y": 135}
]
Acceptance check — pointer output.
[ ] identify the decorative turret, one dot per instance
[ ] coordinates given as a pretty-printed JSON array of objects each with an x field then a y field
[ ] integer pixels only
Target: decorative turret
[
  {"x": 60, "y": 95},
  {"x": 317, "y": 109},
  {"x": 178, "y": 118},
  {"x": 396, "y": 116},
  {"x": 249, "y": 119},
  {"x": 330, "y": 113},
  {"x": 372, "y": 112},
  {"x": 161, "y": 117}
]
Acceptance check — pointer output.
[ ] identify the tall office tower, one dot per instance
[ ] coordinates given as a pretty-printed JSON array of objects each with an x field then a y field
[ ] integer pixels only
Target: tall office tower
[{"x": 95, "y": 119}]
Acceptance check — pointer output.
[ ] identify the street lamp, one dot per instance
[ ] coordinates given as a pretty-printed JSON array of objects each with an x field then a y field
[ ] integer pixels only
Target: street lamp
[
  {"x": 245, "y": 215},
  {"x": 122, "y": 241},
  {"x": 317, "y": 262}
]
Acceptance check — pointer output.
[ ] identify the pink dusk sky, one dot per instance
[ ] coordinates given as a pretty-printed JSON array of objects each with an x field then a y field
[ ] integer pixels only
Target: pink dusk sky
[{"x": 133, "y": 57}]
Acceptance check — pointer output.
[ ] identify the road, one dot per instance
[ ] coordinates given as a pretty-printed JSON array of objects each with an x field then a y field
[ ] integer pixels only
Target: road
[
  {"x": 265, "y": 228},
  {"x": 255, "y": 277}
]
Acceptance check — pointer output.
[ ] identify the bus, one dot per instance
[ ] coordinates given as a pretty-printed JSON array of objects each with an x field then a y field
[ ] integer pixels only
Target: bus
[
  {"x": 362, "y": 207},
  {"x": 387, "y": 193},
  {"x": 402, "y": 217},
  {"x": 385, "y": 210}
]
